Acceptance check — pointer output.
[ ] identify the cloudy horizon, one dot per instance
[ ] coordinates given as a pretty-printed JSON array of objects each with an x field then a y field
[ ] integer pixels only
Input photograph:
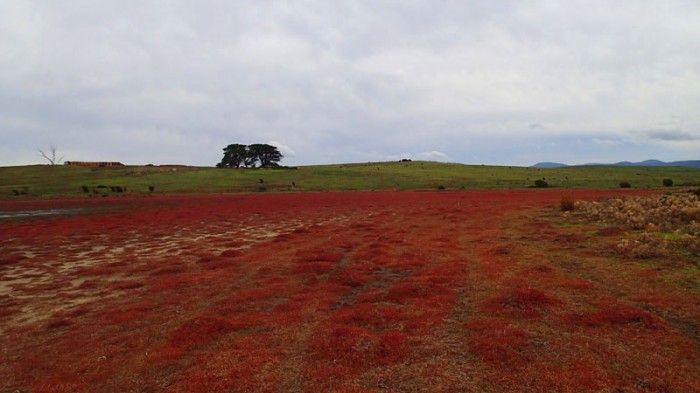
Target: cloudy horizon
[{"x": 473, "y": 82}]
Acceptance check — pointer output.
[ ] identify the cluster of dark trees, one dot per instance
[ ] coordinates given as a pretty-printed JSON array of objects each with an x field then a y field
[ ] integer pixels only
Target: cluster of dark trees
[{"x": 250, "y": 156}]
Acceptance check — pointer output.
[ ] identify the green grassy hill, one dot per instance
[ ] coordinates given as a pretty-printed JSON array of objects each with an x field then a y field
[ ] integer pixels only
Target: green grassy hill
[{"x": 72, "y": 181}]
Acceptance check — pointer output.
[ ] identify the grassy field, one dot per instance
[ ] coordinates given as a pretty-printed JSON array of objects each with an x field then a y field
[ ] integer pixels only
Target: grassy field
[{"x": 69, "y": 181}]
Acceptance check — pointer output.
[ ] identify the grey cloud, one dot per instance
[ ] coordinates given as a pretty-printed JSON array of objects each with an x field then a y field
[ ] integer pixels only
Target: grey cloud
[
  {"x": 675, "y": 135},
  {"x": 335, "y": 80}
]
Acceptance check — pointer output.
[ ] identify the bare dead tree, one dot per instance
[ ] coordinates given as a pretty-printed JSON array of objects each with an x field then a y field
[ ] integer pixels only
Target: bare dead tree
[{"x": 51, "y": 155}]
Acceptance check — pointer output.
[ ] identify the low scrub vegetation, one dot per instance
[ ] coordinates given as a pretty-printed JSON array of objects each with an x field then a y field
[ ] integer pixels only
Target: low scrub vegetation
[
  {"x": 541, "y": 183},
  {"x": 661, "y": 223},
  {"x": 678, "y": 213},
  {"x": 567, "y": 203}
]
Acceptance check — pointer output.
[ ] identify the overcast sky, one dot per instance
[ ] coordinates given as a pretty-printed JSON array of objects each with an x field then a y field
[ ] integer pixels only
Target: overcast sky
[{"x": 475, "y": 82}]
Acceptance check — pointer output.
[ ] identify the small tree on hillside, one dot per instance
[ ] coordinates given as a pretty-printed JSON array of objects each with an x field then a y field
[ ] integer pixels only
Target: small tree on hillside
[
  {"x": 51, "y": 155},
  {"x": 234, "y": 156},
  {"x": 250, "y": 159},
  {"x": 267, "y": 155}
]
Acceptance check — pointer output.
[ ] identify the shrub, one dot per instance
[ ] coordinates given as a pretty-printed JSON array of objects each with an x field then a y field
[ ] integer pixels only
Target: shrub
[
  {"x": 151, "y": 188},
  {"x": 625, "y": 184},
  {"x": 670, "y": 214},
  {"x": 668, "y": 182},
  {"x": 440, "y": 187},
  {"x": 85, "y": 189},
  {"x": 643, "y": 246},
  {"x": 566, "y": 204},
  {"x": 670, "y": 223},
  {"x": 539, "y": 183}
]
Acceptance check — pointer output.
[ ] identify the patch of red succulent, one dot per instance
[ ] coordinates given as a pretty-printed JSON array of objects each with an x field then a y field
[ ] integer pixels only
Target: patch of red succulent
[{"x": 345, "y": 292}]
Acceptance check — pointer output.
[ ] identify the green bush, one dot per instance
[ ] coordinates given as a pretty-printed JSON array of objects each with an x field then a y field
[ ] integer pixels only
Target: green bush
[
  {"x": 625, "y": 184},
  {"x": 668, "y": 182},
  {"x": 539, "y": 183}
]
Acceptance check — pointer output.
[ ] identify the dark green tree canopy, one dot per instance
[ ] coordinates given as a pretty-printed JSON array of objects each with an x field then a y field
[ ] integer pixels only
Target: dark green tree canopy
[
  {"x": 267, "y": 155},
  {"x": 237, "y": 155},
  {"x": 234, "y": 155}
]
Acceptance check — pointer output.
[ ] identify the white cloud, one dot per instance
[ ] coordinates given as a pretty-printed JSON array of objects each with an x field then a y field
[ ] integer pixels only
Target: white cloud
[
  {"x": 432, "y": 156},
  {"x": 284, "y": 149},
  {"x": 607, "y": 142}
]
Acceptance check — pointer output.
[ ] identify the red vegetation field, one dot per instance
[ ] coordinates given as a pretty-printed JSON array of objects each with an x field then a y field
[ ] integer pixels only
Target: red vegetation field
[{"x": 478, "y": 291}]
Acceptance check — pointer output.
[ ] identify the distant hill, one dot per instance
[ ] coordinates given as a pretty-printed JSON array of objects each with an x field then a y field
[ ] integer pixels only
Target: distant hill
[
  {"x": 688, "y": 164},
  {"x": 549, "y": 165}
]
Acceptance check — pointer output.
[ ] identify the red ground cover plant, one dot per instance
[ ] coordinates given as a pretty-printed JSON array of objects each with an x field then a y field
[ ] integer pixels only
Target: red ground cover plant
[
  {"x": 348, "y": 292},
  {"x": 525, "y": 301},
  {"x": 498, "y": 342}
]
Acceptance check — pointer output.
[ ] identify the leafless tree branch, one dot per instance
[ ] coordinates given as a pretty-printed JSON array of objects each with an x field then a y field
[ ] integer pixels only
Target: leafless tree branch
[{"x": 50, "y": 156}]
